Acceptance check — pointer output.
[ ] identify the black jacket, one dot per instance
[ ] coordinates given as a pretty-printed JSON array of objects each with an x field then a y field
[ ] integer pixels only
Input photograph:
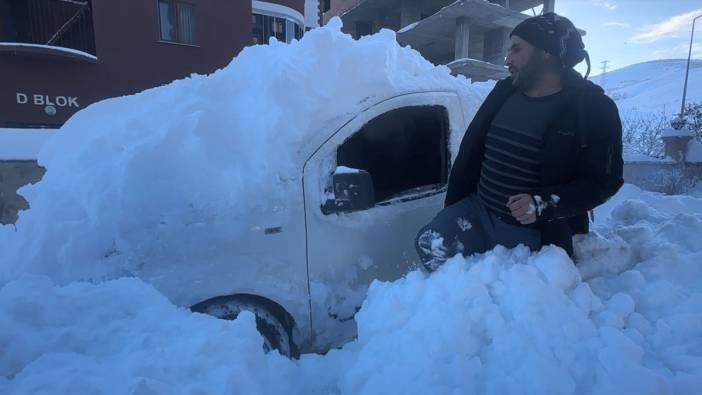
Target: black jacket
[{"x": 581, "y": 157}]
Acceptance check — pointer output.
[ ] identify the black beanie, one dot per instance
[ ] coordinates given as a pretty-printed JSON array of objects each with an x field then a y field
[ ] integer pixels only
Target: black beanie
[{"x": 556, "y": 35}]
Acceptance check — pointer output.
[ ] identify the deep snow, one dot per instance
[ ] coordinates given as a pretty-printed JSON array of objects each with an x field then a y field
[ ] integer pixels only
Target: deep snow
[
  {"x": 174, "y": 165},
  {"x": 627, "y": 319}
]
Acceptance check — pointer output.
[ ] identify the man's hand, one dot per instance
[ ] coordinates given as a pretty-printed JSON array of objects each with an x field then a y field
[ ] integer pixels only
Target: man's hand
[{"x": 523, "y": 208}]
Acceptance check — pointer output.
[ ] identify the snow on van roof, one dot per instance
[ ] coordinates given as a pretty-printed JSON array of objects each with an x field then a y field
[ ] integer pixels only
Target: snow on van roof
[{"x": 126, "y": 171}]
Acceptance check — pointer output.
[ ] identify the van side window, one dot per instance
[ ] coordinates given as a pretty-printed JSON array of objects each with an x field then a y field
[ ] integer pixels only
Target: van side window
[{"x": 404, "y": 150}]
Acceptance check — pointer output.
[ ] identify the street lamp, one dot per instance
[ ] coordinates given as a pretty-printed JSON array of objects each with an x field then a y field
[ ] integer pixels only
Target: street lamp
[{"x": 687, "y": 71}]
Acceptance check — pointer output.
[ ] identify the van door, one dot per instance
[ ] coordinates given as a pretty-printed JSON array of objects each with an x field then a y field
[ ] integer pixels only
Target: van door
[{"x": 403, "y": 143}]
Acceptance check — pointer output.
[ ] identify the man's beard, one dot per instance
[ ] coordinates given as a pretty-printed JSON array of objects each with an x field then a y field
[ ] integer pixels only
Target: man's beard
[{"x": 526, "y": 76}]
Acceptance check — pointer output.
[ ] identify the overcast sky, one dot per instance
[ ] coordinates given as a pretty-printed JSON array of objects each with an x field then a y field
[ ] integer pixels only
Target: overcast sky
[{"x": 633, "y": 31}]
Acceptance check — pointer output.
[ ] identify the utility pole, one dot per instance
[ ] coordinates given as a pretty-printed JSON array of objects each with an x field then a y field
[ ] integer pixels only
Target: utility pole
[
  {"x": 603, "y": 79},
  {"x": 687, "y": 71}
]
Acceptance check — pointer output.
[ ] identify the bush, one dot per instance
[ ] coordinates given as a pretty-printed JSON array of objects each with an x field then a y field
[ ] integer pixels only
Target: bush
[
  {"x": 693, "y": 119},
  {"x": 641, "y": 133}
]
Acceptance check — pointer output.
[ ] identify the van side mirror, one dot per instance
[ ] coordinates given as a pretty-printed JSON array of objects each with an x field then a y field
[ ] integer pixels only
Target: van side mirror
[{"x": 353, "y": 191}]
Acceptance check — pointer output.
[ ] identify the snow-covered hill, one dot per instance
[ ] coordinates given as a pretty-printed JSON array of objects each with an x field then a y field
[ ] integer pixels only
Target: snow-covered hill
[{"x": 654, "y": 86}]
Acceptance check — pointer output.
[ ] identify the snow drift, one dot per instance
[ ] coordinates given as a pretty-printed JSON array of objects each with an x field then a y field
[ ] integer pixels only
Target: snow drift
[
  {"x": 174, "y": 173},
  {"x": 628, "y": 319}
]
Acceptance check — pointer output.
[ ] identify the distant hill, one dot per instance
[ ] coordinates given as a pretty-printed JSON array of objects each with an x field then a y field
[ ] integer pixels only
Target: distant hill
[{"x": 654, "y": 86}]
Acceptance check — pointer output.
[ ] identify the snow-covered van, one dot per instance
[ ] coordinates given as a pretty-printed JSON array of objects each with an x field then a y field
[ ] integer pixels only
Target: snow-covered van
[
  {"x": 364, "y": 191},
  {"x": 284, "y": 184}
]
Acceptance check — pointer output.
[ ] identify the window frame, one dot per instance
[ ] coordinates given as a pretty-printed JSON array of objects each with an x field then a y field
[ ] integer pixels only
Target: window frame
[
  {"x": 423, "y": 191},
  {"x": 268, "y": 31},
  {"x": 178, "y": 33}
]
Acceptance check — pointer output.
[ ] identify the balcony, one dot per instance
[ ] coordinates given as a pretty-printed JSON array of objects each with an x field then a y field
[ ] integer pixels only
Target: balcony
[{"x": 48, "y": 28}]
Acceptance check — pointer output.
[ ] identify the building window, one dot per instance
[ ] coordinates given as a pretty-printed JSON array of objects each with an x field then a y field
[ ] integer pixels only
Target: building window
[
  {"x": 404, "y": 150},
  {"x": 326, "y": 5},
  {"x": 177, "y": 21},
  {"x": 267, "y": 26},
  {"x": 258, "y": 29},
  {"x": 278, "y": 28}
]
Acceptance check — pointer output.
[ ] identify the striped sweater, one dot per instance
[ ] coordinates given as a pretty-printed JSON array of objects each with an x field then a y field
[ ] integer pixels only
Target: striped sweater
[{"x": 512, "y": 160}]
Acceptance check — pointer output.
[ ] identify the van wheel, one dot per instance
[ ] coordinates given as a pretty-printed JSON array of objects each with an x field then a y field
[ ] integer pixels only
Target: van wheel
[{"x": 276, "y": 331}]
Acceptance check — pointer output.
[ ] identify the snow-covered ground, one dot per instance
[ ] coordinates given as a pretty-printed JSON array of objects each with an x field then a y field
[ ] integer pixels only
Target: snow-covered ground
[
  {"x": 627, "y": 320},
  {"x": 166, "y": 180}
]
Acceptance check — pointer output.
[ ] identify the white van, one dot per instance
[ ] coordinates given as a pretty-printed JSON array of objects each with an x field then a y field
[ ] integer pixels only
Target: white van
[{"x": 367, "y": 188}]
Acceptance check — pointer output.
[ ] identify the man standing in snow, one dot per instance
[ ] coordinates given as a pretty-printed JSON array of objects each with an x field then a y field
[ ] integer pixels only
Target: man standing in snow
[{"x": 543, "y": 149}]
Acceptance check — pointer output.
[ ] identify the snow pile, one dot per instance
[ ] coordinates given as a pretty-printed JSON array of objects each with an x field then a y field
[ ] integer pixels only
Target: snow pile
[
  {"x": 172, "y": 174},
  {"x": 121, "y": 337},
  {"x": 627, "y": 320}
]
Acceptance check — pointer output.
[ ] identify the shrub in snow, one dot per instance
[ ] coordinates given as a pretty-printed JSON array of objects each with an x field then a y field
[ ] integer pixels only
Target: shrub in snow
[
  {"x": 641, "y": 132},
  {"x": 693, "y": 119}
]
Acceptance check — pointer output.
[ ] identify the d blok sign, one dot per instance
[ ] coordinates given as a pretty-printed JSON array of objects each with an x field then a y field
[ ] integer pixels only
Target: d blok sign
[{"x": 46, "y": 100}]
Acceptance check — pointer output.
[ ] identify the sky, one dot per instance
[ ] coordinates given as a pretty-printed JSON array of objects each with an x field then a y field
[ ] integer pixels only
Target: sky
[{"x": 625, "y": 32}]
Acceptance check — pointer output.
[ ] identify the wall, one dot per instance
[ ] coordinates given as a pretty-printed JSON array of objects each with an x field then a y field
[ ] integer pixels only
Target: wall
[
  {"x": 14, "y": 174},
  {"x": 664, "y": 177}
]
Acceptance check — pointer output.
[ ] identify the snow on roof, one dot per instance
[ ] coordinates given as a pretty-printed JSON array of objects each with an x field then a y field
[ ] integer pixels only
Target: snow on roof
[
  {"x": 408, "y": 27},
  {"x": 50, "y": 47}
]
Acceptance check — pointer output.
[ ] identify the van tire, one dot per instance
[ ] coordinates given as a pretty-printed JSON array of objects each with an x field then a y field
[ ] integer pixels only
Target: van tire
[{"x": 275, "y": 328}]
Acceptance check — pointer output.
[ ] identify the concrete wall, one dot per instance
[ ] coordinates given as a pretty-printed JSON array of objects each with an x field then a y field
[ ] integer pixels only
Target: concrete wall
[
  {"x": 665, "y": 177},
  {"x": 477, "y": 44},
  {"x": 13, "y": 175}
]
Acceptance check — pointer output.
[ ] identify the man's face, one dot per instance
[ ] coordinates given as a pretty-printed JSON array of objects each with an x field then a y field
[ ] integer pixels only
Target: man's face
[{"x": 525, "y": 62}]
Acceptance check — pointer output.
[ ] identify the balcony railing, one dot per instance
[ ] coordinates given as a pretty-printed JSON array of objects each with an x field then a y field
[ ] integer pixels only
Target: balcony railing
[{"x": 52, "y": 23}]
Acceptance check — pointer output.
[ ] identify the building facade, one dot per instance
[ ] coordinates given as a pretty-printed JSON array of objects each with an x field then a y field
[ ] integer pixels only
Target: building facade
[
  {"x": 59, "y": 56},
  {"x": 469, "y": 36}
]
